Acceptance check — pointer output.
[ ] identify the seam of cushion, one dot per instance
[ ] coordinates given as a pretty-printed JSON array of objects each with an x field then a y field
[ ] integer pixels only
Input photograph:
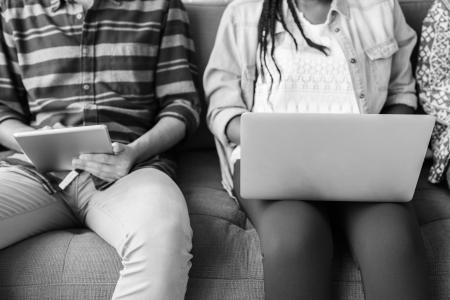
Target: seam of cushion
[
  {"x": 65, "y": 254},
  {"x": 56, "y": 284},
  {"x": 260, "y": 279},
  {"x": 437, "y": 220},
  {"x": 217, "y": 217}
]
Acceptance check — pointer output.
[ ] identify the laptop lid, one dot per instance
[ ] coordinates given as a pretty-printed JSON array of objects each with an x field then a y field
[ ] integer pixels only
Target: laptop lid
[{"x": 332, "y": 157}]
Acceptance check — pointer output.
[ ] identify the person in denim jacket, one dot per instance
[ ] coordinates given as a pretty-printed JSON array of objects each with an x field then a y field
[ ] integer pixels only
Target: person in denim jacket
[
  {"x": 433, "y": 78},
  {"x": 309, "y": 56}
]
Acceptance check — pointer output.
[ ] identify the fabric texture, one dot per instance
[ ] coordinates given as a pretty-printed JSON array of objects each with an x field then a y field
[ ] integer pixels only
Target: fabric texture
[
  {"x": 372, "y": 52},
  {"x": 308, "y": 83},
  {"x": 59, "y": 64},
  {"x": 433, "y": 78}
]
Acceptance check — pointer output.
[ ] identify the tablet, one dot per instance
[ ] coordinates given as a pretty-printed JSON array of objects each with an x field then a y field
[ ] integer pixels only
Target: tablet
[{"x": 54, "y": 149}]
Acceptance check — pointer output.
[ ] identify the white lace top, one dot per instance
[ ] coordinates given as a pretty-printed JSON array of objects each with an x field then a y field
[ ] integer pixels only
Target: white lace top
[{"x": 311, "y": 82}]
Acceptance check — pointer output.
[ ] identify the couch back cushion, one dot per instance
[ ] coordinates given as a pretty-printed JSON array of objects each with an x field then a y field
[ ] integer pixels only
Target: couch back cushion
[{"x": 205, "y": 16}]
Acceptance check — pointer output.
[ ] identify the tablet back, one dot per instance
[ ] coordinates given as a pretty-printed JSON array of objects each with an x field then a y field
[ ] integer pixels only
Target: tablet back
[{"x": 54, "y": 149}]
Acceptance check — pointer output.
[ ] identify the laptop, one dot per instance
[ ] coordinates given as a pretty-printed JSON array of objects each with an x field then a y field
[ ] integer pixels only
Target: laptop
[{"x": 332, "y": 157}]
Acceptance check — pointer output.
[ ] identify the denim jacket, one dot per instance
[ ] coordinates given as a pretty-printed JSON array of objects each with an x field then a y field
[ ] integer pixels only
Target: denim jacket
[{"x": 373, "y": 35}]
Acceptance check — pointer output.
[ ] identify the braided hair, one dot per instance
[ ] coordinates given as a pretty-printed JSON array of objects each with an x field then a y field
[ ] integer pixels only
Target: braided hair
[{"x": 272, "y": 12}]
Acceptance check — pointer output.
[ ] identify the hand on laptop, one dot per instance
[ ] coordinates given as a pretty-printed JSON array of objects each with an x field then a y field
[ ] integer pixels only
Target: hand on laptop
[
  {"x": 109, "y": 167},
  {"x": 54, "y": 126}
]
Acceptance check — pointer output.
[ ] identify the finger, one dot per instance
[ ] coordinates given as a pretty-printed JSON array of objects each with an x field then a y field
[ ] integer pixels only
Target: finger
[
  {"x": 58, "y": 125},
  {"x": 99, "y": 158},
  {"x": 117, "y": 148},
  {"x": 99, "y": 170}
]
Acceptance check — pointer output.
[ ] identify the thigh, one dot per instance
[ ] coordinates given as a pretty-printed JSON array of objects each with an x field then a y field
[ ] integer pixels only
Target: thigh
[
  {"x": 292, "y": 213},
  {"x": 144, "y": 199},
  {"x": 27, "y": 209},
  {"x": 373, "y": 227}
]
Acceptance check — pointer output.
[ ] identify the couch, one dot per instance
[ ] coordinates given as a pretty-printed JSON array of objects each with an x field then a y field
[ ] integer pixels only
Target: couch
[{"x": 75, "y": 263}]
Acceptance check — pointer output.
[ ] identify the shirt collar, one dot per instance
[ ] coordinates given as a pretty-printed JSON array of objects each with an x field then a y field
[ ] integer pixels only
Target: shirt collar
[
  {"x": 56, "y": 4},
  {"x": 340, "y": 6},
  {"x": 337, "y": 6}
]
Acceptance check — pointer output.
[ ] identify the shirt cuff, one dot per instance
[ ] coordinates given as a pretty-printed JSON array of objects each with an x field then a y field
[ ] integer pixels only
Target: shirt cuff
[
  {"x": 405, "y": 99},
  {"x": 7, "y": 114},
  {"x": 221, "y": 120},
  {"x": 183, "y": 112}
]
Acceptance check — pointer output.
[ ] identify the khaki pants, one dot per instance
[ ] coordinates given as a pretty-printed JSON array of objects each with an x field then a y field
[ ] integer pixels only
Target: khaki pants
[{"x": 143, "y": 216}]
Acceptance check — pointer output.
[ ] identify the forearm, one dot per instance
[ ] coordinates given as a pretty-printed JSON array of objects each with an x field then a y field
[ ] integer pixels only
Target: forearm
[
  {"x": 398, "y": 109},
  {"x": 233, "y": 130},
  {"x": 163, "y": 136},
  {"x": 7, "y": 129}
]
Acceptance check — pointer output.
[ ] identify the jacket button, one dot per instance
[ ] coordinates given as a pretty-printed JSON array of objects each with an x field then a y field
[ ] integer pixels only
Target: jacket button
[
  {"x": 362, "y": 96},
  {"x": 337, "y": 30},
  {"x": 353, "y": 60}
]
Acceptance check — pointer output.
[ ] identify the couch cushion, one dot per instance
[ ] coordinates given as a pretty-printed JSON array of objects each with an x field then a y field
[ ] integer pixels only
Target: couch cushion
[
  {"x": 431, "y": 202},
  {"x": 71, "y": 264},
  {"x": 437, "y": 244},
  {"x": 204, "y": 16},
  {"x": 199, "y": 179}
]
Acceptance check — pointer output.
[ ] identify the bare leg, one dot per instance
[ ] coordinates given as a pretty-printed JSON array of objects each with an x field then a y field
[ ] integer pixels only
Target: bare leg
[
  {"x": 386, "y": 242},
  {"x": 297, "y": 247}
]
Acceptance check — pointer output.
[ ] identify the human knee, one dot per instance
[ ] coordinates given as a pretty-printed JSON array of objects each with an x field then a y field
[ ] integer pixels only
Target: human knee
[
  {"x": 160, "y": 238},
  {"x": 392, "y": 236},
  {"x": 159, "y": 217},
  {"x": 151, "y": 183},
  {"x": 293, "y": 235}
]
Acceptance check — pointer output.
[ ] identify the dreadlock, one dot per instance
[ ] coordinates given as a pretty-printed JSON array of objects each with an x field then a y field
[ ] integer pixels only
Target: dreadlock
[{"x": 271, "y": 13}]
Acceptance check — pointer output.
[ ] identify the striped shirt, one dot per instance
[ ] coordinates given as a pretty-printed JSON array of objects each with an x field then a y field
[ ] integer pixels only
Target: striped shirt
[{"x": 122, "y": 63}]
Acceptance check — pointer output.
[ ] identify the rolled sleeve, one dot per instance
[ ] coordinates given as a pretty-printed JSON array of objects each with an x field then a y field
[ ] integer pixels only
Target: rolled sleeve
[
  {"x": 222, "y": 79},
  {"x": 221, "y": 121},
  {"x": 408, "y": 99},
  {"x": 402, "y": 84},
  {"x": 176, "y": 71}
]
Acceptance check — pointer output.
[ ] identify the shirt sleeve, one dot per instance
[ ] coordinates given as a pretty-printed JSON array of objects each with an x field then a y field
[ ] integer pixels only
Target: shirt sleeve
[
  {"x": 13, "y": 101},
  {"x": 175, "y": 72},
  {"x": 401, "y": 88},
  {"x": 222, "y": 78}
]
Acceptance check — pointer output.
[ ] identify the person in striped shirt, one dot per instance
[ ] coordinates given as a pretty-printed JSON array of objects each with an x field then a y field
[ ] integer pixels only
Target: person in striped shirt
[{"x": 125, "y": 64}]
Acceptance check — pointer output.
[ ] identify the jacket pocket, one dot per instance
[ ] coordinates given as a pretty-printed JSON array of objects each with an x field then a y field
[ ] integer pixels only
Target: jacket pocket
[{"x": 380, "y": 62}]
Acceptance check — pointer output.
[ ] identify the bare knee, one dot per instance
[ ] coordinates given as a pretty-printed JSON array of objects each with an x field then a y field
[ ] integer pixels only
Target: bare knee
[
  {"x": 299, "y": 232},
  {"x": 389, "y": 234}
]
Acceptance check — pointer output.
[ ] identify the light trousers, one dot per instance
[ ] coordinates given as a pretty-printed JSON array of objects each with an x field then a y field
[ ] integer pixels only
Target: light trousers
[{"x": 143, "y": 216}]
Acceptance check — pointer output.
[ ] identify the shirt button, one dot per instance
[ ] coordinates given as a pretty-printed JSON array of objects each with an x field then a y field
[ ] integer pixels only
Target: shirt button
[
  {"x": 337, "y": 30},
  {"x": 353, "y": 60},
  {"x": 362, "y": 96},
  {"x": 86, "y": 87},
  {"x": 79, "y": 16}
]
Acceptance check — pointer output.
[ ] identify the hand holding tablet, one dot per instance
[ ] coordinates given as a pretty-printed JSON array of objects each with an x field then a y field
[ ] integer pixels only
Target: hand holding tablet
[{"x": 54, "y": 149}]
